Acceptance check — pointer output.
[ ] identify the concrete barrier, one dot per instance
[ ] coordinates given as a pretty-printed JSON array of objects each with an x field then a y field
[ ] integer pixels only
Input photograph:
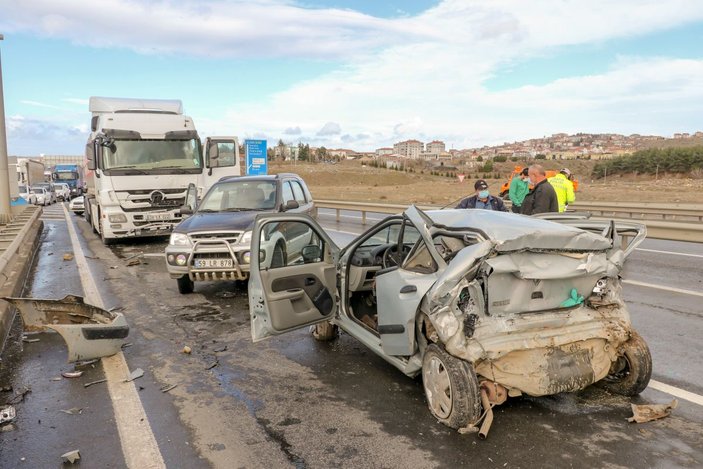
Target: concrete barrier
[{"x": 19, "y": 240}]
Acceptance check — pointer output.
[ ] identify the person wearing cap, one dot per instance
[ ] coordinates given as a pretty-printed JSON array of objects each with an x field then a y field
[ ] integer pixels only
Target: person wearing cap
[
  {"x": 564, "y": 188},
  {"x": 482, "y": 199},
  {"x": 542, "y": 198},
  {"x": 518, "y": 190}
]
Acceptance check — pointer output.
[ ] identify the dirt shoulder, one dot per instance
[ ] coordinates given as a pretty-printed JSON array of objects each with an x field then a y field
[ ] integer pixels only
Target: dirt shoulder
[{"x": 352, "y": 181}]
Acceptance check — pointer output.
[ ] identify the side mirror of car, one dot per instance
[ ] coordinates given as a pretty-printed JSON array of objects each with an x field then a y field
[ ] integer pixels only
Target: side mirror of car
[
  {"x": 290, "y": 205},
  {"x": 185, "y": 211},
  {"x": 311, "y": 253}
]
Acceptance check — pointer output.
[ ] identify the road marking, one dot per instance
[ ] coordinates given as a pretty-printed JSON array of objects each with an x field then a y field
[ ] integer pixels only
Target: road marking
[
  {"x": 676, "y": 392},
  {"x": 660, "y": 287},
  {"x": 669, "y": 252},
  {"x": 139, "y": 445}
]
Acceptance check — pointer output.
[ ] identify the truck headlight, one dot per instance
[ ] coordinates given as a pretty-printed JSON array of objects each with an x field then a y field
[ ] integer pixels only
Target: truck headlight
[
  {"x": 246, "y": 238},
  {"x": 179, "y": 239},
  {"x": 117, "y": 218}
]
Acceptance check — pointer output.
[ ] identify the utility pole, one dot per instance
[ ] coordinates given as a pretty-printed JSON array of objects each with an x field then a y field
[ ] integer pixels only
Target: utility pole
[{"x": 5, "y": 211}]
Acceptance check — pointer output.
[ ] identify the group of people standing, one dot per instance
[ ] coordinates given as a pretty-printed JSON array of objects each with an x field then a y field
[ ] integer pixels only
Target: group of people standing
[{"x": 531, "y": 192}]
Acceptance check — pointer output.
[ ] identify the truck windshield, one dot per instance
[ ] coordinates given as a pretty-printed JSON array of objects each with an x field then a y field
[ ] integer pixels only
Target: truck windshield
[
  {"x": 153, "y": 154},
  {"x": 67, "y": 176},
  {"x": 240, "y": 195}
]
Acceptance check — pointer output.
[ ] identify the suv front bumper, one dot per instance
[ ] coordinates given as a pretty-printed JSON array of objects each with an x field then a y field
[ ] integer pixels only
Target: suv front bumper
[{"x": 209, "y": 260}]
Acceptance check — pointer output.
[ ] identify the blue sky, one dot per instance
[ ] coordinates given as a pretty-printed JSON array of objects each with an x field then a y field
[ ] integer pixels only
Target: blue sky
[{"x": 357, "y": 74}]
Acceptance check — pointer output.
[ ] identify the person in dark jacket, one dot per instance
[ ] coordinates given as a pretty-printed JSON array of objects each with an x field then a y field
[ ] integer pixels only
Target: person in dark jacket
[
  {"x": 542, "y": 198},
  {"x": 483, "y": 199}
]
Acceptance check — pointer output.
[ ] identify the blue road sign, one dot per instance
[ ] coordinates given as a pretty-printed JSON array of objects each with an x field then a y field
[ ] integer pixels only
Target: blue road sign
[{"x": 255, "y": 151}]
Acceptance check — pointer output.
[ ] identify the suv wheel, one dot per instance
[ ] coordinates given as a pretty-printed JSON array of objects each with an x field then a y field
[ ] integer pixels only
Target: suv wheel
[
  {"x": 634, "y": 370},
  {"x": 451, "y": 388},
  {"x": 185, "y": 285}
]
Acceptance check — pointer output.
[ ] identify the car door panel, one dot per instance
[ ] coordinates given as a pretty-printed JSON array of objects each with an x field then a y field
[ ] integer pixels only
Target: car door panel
[{"x": 286, "y": 298}]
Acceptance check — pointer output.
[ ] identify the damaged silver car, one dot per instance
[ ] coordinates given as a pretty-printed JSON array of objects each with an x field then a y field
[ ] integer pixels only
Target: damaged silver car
[{"x": 484, "y": 305}]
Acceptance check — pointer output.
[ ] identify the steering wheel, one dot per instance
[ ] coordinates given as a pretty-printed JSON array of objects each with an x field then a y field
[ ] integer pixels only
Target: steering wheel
[{"x": 391, "y": 256}]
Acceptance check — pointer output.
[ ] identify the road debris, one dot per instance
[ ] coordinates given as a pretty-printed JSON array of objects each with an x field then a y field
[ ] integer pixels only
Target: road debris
[
  {"x": 213, "y": 364},
  {"x": 167, "y": 387},
  {"x": 133, "y": 262},
  {"x": 125, "y": 345},
  {"x": 221, "y": 348},
  {"x": 138, "y": 373},
  {"x": 27, "y": 340},
  {"x": 94, "y": 382},
  {"x": 19, "y": 397},
  {"x": 7, "y": 414},
  {"x": 72, "y": 374},
  {"x": 187, "y": 350},
  {"x": 68, "y": 256},
  {"x": 71, "y": 457},
  {"x": 89, "y": 331},
  {"x": 647, "y": 413},
  {"x": 56, "y": 378},
  {"x": 72, "y": 411}
]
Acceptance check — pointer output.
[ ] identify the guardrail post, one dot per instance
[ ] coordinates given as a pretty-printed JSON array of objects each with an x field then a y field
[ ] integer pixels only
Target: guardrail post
[
  {"x": 337, "y": 215},
  {"x": 363, "y": 217}
]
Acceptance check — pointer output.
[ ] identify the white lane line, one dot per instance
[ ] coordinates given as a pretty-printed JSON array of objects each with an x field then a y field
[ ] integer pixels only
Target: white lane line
[
  {"x": 660, "y": 287},
  {"x": 676, "y": 392},
  {"x": 671, "y": 253},
  {"x": 136, "y": 437}
]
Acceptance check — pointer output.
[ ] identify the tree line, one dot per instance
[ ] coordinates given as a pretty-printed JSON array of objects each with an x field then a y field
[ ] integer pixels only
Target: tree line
[{"x": 653, "y": 161}]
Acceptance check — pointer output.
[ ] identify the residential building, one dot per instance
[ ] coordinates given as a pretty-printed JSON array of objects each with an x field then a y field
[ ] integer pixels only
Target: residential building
[
  {"x": 435, "y": 146},
  {"x": 409, "y": 148}
]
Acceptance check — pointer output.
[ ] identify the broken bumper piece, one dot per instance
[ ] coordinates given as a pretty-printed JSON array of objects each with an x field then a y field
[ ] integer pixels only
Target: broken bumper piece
[{"x": 89, "y": 332}]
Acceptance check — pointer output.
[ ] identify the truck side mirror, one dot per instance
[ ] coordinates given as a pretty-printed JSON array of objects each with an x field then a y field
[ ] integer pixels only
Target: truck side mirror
[
  {"x": 213, "y": 150},
  {"x": 191, "y": 201},
  {"x": 90, "y": 155},
  {"x": 94, "y": 123}
]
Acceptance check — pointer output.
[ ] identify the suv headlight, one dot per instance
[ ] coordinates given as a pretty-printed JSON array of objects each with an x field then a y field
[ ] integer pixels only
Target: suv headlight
[
  {"x": 246, "y": 238},
  {"x": 179, "y": 239}
]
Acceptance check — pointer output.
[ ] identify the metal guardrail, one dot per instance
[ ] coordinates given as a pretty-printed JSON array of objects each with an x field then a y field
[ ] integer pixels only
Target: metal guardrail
[{"x": 675, "y": 222}]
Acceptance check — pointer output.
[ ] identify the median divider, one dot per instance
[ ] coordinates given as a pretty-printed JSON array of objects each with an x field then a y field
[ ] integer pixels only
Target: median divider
[{"x": 19, "y": 240}]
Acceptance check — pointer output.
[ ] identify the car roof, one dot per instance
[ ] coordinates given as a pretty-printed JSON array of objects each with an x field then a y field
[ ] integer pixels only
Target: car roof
[
  {"x": 265, "y": 177},
  {"x": 512, "y": 231}
]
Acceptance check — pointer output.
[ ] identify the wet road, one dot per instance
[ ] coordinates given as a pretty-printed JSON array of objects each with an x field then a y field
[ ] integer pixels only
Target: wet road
[{"x": 293, "y": 401}]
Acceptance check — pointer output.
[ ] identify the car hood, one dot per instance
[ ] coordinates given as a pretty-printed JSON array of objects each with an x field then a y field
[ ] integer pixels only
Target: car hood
[{"x": 218, "y": 221}]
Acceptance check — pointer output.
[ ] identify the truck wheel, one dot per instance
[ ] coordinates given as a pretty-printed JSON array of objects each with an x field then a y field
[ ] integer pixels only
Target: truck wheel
[
  {"x": 451, "y": 388},
  {"x": 632, "y": 370},
  {"x": 185, "y": 285},
  {"x": 324, "y": 331}
]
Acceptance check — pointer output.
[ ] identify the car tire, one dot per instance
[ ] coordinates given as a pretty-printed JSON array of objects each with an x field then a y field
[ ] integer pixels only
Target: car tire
[
  {"x": 278, "y": 257},
  {"x": 635, "y": 371},
  {"x": 451, "y": 388},
  {"x": 324, "y": 331},
  {"x": 185, "y": 285}
]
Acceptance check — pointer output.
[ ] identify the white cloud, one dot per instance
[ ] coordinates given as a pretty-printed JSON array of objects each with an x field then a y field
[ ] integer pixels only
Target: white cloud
[{"x": 330, "y": 128}]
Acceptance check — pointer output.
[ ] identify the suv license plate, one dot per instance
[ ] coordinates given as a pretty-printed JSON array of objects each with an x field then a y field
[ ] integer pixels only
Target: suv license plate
[
  {"x": 213, "y": 263},
  {"x": 158, "y": 216}
]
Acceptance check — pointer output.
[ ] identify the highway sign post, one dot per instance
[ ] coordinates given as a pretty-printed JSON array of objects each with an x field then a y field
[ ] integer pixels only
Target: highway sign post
[{"x": 255, "y": 151}]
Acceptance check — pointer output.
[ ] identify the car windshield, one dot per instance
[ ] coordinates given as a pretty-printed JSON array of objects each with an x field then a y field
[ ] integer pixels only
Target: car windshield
[
  {"x": 153, "y": 154},
  {"x": 240, "y": 195}
]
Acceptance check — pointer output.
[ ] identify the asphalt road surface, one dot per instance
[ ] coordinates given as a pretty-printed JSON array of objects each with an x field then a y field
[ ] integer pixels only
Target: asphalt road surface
[{"x": 293, "y": 401}]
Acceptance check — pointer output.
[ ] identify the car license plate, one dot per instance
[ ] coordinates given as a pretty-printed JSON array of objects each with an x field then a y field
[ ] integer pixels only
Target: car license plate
[
  {"x": 213, "y": 263},
  {"x": 158, "y": 216}
]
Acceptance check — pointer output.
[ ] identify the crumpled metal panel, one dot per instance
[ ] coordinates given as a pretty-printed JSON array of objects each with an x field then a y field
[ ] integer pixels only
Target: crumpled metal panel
[{"x": 89, "y": 332}]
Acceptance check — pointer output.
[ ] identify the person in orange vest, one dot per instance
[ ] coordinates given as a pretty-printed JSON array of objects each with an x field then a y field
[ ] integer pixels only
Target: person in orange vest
[{"x": 564, "y": 188}]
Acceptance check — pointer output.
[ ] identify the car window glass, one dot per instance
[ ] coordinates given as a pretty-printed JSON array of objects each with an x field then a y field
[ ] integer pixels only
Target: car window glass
[
  {"x": 391, "y": 233},
  {"x": 298, "y": 192},
  {"x": 289, "y": 243},
  {"x": 240, "y": 195},
  {"x": 226, "y": 155},
  {"x": 287, "y": 193}
]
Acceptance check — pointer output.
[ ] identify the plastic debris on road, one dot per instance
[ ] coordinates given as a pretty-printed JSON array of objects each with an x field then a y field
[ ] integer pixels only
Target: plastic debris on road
[
  {"x": 71, "y": 457},
  {"x": 7, "y": 415},
  {"x": 72, "y": 374},
  {"x": 647, "y": 413},
  {"x": 68, "y": 256},
  {"x": 138, "y": 373}
]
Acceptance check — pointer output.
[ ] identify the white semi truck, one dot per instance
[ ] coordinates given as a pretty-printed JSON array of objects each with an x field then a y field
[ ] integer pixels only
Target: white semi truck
[{"x": 141, "y": 156}]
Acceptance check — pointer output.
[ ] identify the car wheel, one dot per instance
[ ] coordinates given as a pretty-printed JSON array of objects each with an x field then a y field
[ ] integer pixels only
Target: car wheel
[
  {"x": 185, "y": 285},
  {"x": 324, "y": 331},
  {"x": 634, "y": 368},
  {"x": 278, "y": 258},
  {"x": 451, "y": 388}
]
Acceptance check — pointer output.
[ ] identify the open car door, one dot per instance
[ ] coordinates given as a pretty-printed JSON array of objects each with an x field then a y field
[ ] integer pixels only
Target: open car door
[{"x": 293, "y": 280}]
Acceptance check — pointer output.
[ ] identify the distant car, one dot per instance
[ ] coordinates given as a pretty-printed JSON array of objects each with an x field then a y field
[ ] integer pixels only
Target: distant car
[
  {"x": 63, "y": 191},
  {"x": 50, "y": 191},
  {"x": 77, "y": 205},
  {"x": 26, "y": 194},
  {"x": 483, "y": 304},
  {"x": 213, "y": 243},
  {"x": 42, "y": 197}
]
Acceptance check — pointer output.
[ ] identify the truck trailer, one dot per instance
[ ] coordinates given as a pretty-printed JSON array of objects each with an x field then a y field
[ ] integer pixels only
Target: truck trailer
[
  {"x": 141, "y": 156},
  {"x": 71, "y": 174},
  {"x": 29, "y": 172}
]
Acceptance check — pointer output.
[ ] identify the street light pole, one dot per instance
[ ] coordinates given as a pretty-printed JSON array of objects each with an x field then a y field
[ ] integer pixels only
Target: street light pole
[{"x": 5, "y": 213}]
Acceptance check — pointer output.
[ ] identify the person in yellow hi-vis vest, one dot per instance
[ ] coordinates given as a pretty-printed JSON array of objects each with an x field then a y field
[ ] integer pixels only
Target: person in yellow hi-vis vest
[{"x": 564, "y": 188}]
